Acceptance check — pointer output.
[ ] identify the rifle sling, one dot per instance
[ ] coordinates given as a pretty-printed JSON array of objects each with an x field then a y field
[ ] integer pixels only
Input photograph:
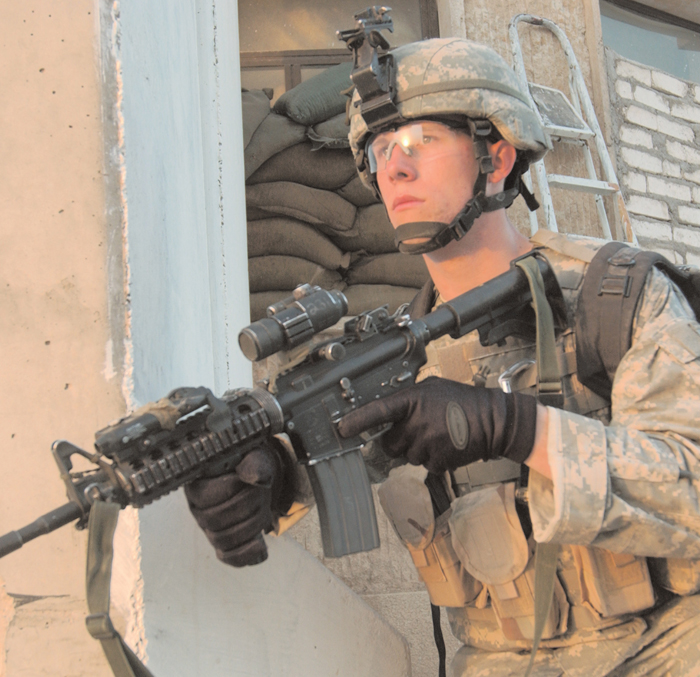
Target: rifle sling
[
  {"x": 100, "y": 553},
  {"x": 549, "y": 392},
  {"x": 546, "y": 557},
  {"x": 549, "y": 387}
]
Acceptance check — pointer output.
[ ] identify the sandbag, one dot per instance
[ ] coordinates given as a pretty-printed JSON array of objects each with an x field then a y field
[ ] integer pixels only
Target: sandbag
[
  {"x": 318, "y": 98},
  {"x": 364, "y": 297},
  {"x": 324, "y": 168},
  {"x": 372, "y": 232},
  {"x": 274, "y": 134},
  {"x": 398, "y": 269},
  {"x": 266, "y": 273},
  {"x": 293, "y": 238},
  {"x": 325, "y": 210},
  {"x": 256, "y": 107},
  {"x": 255, "y": 213},
  {"x": 357, "y": 193},
  {"x": 331, "y": 133}
]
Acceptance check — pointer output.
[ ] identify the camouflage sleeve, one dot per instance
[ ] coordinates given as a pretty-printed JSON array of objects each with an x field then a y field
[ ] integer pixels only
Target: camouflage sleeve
[{"x": 632, "y": 486}]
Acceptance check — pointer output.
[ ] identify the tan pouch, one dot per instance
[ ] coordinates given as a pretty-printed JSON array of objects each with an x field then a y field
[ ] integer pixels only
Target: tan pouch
[
  {"x": 613, "y": 583},
  {"x": 447, "y": 581},
  {"x": 488, "y": 537},
  {"x": 680, "y": 576},
  {"x": 514, "y": 604},
  {"x": 406, "y": 502}
]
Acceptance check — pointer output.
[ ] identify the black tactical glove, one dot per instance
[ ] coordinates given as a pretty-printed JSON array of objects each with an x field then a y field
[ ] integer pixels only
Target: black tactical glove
[
  {"x": 234, "y": 509},
  {"x": 444, "y": 425}
]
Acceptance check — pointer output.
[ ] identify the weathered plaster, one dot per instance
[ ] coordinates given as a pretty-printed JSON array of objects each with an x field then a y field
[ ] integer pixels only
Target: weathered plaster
[
  {"x": 453, "y": 21},
  {"x": 54, "y": 324}
]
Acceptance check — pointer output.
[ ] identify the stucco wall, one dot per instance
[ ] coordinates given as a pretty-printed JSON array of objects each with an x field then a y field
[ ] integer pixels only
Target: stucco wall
[
  {"x": 58, "y": 376},
  {"x": 656, "y": 122},
  {"x": 65, "y": 238}
]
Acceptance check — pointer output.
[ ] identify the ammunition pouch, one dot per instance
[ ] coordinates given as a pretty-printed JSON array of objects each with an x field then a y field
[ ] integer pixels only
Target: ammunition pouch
[
  {"x": 613, "y": 583},
  {"x": 489, "y": 539},
  {"x": 406, "y": 501}
]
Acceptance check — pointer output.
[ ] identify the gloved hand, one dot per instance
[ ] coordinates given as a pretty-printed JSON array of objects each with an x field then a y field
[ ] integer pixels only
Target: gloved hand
[
  {"x": 234, "y": 509},
  {"x": 444, "y": 425}
]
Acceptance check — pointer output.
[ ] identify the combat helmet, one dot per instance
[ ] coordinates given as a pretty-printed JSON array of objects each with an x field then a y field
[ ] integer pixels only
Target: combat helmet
[{"x": 442, "y": 78}]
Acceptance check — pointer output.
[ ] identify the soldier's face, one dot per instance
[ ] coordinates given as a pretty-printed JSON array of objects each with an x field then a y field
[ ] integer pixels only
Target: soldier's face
[{"x": 425, "y": 171}]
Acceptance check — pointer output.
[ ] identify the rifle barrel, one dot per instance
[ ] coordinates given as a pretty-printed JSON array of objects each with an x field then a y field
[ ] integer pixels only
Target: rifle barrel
[{"x": 47, "y": 523}]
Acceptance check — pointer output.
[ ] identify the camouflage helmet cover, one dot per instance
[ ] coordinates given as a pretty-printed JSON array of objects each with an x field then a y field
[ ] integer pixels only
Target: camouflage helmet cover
[{"x": 453, "y": 76}]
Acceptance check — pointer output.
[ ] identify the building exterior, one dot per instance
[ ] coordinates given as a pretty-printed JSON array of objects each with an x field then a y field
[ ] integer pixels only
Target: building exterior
[{"x": 125, "y": 274}]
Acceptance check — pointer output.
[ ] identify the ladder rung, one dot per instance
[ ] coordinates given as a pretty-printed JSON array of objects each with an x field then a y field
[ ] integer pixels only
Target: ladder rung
[
  {"x": 559, "y": 117},
  {"x": 582, "y": 185}
]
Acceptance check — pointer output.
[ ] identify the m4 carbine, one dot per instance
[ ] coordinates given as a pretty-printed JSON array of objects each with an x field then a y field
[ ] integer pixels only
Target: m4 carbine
[{"x": 191, "y": 433}]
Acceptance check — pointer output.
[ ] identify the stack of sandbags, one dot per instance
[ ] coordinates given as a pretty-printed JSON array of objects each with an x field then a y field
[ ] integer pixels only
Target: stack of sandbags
[{"x": 309, "y": 217}]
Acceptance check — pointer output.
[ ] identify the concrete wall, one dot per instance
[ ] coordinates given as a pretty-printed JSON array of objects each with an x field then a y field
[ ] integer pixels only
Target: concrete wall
[
  {"x": 136, "y": 279},
  {"x": 59, "y": 378},
  {"x": 656, "y": 121}
]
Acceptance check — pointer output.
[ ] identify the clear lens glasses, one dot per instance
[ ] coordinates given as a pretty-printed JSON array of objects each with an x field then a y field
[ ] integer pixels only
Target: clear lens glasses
[{"x": 419, "y": 141}]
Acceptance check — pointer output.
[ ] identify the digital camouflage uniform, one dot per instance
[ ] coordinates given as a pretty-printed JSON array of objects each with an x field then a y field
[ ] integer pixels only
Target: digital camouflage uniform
[
  {"x": 624, "y": 476},
  {"x": 625, "y": 484}
]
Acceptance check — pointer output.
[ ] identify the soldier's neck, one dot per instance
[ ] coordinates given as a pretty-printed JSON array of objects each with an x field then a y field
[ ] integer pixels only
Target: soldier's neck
[{"x": 485, "y": 252}]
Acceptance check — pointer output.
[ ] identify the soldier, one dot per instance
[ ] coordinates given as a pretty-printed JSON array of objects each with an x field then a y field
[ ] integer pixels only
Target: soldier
[{"x": 614, "y": 485}]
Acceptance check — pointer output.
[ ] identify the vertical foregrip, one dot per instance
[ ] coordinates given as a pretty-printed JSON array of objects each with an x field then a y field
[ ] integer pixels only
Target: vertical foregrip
[{"x": 345, "y": 504}]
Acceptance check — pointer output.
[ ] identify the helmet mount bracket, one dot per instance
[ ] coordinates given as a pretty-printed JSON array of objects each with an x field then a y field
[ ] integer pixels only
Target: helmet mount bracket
[{"x": 374, "y": 72}]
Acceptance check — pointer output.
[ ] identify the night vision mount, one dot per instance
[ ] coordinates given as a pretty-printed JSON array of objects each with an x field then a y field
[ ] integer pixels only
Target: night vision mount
[{"x": 373, "y": 72}]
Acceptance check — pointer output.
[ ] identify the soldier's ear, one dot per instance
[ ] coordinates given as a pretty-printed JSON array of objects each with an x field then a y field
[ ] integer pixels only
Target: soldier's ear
[{"x": 503, "y": 155}]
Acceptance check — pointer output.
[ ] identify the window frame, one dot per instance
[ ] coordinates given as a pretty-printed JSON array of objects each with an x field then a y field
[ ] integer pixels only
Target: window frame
[{"x": 656, "y": 14}]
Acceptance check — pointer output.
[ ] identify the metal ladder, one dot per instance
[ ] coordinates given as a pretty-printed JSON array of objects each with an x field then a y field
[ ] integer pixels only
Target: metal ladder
[{"x": 569, "y": 123}]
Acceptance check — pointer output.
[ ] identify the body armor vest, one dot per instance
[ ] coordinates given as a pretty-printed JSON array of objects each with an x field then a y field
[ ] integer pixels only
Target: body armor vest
[{"x": 486, "y": 550}]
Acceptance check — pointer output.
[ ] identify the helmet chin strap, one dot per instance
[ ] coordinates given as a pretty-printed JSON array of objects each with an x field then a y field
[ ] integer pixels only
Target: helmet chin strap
[{"x": 441, "y": 234}]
